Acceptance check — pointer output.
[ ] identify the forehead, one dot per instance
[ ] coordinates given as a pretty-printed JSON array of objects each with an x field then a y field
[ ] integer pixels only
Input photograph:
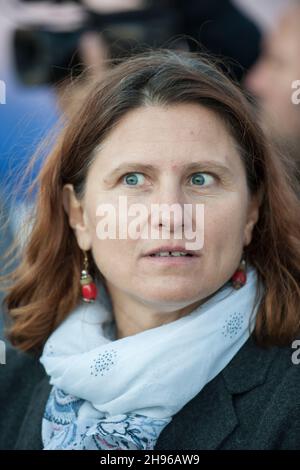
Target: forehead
[{"x": 175, "y": 132}]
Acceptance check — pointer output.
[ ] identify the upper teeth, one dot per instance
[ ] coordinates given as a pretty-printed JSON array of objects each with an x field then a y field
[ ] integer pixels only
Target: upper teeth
[{"x": 170, "y": 253}]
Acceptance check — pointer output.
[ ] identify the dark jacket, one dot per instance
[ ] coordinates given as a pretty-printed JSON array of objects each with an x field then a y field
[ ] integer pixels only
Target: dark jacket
[{"x": 254, "y": 403}]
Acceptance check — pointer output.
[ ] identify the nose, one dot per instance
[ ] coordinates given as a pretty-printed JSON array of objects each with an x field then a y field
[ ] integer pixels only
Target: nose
[{"x": 167, "y": 207}]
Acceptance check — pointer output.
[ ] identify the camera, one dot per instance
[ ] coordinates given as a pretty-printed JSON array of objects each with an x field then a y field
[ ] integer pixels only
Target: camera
[{"x": 46, "y": 56}]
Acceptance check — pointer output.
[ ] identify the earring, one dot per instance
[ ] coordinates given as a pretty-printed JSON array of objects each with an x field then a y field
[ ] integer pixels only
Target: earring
[
  {"x": 88, "y": 287},
  {"x": 239, "y": 278}
]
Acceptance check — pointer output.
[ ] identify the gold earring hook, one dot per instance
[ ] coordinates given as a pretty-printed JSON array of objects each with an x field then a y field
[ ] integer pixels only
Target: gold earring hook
[{"x": 85, "y": 261}]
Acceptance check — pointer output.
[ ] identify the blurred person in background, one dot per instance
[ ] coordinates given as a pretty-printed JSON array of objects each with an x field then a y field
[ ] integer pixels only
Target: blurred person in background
[{"x": 271, "y": 79}]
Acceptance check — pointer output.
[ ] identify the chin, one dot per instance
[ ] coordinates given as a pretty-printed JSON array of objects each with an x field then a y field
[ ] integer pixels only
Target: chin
[{"x": 175, "y": 296}]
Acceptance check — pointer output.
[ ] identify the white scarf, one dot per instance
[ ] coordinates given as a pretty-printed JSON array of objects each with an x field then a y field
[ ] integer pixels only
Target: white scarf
[{"x": 120, "y": 393}]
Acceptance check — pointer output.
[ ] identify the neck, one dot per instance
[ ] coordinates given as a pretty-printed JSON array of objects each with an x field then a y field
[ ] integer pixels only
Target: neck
[{"x": 133, "y": 316}]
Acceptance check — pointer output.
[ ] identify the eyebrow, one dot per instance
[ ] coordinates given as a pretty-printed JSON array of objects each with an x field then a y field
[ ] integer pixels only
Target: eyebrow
[{"x": 208, "y": 165}]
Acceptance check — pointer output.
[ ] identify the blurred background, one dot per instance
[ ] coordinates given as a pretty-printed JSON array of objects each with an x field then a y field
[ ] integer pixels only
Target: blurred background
[{"x": 45, "y": 44}]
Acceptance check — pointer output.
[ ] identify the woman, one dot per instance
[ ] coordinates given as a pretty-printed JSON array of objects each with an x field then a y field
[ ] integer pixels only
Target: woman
[{"x": 141, "y": 342}]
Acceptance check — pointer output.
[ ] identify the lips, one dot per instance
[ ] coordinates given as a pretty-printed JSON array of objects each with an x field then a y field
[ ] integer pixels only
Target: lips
[
  {"x": 173, "y": 254},
  {"x": 169, "y": 251}
]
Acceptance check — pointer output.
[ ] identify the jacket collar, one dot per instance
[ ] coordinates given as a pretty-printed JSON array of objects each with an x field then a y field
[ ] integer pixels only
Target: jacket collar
[{"x": 249, "y": 368}]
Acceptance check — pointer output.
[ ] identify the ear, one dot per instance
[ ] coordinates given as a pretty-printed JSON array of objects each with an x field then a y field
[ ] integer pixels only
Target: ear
[
  {"x": 252, "y": 217},
  {"x": 76, "y": 215}
]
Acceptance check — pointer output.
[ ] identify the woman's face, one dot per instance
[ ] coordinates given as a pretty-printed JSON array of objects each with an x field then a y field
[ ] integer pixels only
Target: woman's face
[{"x": 180, "y": 155}]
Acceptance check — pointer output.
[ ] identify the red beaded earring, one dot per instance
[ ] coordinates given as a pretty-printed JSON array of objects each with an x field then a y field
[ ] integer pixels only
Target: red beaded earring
[
  {"x": 88, "y": 287},
  {"x": 239, "y": 278}
]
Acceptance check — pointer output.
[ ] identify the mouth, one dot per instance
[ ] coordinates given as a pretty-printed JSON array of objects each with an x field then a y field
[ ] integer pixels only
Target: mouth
[
  {"x": 175, "y": 251},
  {"x": 170, "y": 254},
  {"x": 172, "y": 257}
]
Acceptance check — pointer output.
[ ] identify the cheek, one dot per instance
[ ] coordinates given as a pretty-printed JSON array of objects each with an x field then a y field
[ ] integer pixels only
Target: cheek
[
  {"x": 112, "y": 257},
  {"x": 224, "y": 225}
]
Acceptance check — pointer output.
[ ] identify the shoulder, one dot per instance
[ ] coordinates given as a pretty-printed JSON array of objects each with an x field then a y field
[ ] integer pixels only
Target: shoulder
[
  {"x": 18, "y": 378},
  {"x": 253, "y": 403},
  {"x": 286, "y": 369},
  {"x": 256, "y": 365},
  {"x": 264, "y": 384},
  {"x": 19, "y": 367}
]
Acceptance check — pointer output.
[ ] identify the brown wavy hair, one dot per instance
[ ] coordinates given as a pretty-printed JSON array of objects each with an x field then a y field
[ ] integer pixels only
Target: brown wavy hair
[{"x": 44, "y": 288}]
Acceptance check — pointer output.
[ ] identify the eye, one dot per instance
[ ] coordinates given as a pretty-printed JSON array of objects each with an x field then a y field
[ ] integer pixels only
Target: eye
[
  {"x": 202, "y": 179},
  {"x": 133, "y": 179}
]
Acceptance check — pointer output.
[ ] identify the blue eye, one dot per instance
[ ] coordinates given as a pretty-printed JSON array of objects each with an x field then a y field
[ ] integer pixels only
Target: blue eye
[
  {"x": 202, "y": 179},
  {"x": 131, "y": 179}
]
